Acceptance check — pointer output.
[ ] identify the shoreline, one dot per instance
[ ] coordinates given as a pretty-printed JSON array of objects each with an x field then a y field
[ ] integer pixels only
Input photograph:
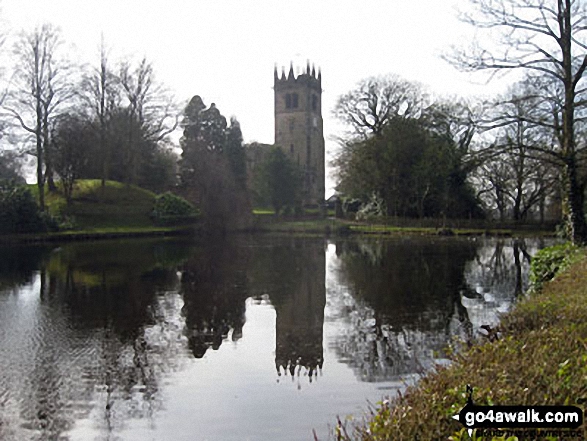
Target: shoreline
[
  {"x": 321, "y": 227},
  {"x": 539, "y": 358},
  {"x": 99, "y": 234},
  {"x": 339, "y": 228}
]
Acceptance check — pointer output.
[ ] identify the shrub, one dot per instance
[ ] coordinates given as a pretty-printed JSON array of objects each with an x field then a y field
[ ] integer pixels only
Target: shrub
[
  {"x": 548, "y": 262},
  {"x": 171, "y": 209},
  {"x": 19, "y": 212}
]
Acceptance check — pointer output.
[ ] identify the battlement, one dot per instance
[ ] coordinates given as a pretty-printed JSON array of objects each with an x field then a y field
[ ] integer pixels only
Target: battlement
[{"x": 309, "y": 77}]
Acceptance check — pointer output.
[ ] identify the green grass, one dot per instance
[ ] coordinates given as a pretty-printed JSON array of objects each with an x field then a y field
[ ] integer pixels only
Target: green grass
[
  {"x": 540, "y": 359},
  {"x": 263, "y": 211},
  {"x": 117, "y": 206}
]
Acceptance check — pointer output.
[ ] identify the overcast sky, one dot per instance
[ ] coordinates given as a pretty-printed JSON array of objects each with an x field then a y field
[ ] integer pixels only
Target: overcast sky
[{"x": 225, "y": 50}]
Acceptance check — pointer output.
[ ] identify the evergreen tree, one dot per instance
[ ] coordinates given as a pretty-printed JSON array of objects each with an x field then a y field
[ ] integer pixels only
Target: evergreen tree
[
  {"x": 278, "y": 182},
  {"x": 213, "y": 167}
]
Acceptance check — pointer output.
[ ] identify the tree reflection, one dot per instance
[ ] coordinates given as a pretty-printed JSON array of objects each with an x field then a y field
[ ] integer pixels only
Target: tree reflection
[
  {"x": 412, "y": 283},
  {"x": 496, "y": 277},
  {"x": 214, "y": 289},
  {"x": 88, "y": 337},
  {"x": 18, "y": 264},
  {"x": 405, "y": 300}
]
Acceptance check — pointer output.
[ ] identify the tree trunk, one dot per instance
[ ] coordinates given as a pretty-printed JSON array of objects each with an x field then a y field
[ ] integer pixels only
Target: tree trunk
[
  {"x": 40, "y": 182},
  {"x": 49, "y": 171},
  {"x": 573, "y": 206},
  {"x": 40, "y": 155},
  {"x": 577, "y": 228}
]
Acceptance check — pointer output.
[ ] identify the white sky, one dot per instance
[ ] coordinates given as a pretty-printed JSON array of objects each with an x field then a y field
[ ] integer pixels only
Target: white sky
[{"x": 226, "y": 50}]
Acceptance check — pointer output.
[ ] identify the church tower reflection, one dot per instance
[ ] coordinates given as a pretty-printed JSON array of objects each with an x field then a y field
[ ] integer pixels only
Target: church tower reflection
[
  {"x": 300, "y": 320},
  {"x": 299, "y": 304}
]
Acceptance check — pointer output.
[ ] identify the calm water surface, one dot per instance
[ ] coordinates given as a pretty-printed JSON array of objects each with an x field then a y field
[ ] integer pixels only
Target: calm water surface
[{"x": 254, "y": 338}]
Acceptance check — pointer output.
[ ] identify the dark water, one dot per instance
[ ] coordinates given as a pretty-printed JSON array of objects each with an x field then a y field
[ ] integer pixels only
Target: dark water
[{"x": 255, "y": 338}]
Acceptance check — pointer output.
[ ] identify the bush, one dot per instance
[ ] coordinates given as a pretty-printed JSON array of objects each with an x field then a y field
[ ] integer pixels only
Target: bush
[
  {"x": 19, "y": 212},
  {"x": 171, "y": 209},
  {"x": 548, "y": 262}
]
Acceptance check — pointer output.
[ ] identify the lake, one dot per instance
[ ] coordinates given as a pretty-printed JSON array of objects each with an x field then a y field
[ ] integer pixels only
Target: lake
[{"x": 250, "y": 338}]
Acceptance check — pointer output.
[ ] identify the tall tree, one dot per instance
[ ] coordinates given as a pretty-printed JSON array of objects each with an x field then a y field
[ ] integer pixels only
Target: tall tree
[
  {"x": 101, "y": 93},
  {"x": 210, "y": 166},
  {"x": 41, "y": 87},
  {"x": 519, "y": 177},
  {"x": 548, "y": 38},
  {"x": 151, "y": 111},
  {"x": 406, "y": 150},
  {"x": 415, "y": 171},
  {"x": 235, "y": 151}
]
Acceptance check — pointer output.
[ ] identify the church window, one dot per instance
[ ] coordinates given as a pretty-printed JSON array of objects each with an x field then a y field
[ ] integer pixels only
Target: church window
[
  {"x": 292, "y": 125},
  {"x": 288, "y": 101},
  {"x": 314, "y": 102},
  {"x": 291, "y": 149},
  {"x": 294, "y": 100}
]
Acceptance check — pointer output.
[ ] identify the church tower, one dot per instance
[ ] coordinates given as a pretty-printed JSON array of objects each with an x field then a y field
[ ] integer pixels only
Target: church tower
[{"x": 299, "y": 129}]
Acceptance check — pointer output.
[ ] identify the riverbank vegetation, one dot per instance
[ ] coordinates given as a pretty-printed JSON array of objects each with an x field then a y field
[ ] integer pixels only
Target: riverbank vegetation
[{"x": 537, "y": 356}]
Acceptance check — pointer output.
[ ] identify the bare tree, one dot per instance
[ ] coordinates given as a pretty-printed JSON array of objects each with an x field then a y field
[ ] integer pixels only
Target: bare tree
[
  {"x": 101, "y": 92},
  {"x": 520, "y": 170},
  {"x": 548, "y": 38},
  {"x": 376, "y": 100},
  {"x": 40, "y": 87},
  {"x": 151, "y": 111}
]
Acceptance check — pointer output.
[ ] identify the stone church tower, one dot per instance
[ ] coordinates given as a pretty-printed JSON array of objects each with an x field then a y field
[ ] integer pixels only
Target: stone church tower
[{"x": 299, "y": 129}]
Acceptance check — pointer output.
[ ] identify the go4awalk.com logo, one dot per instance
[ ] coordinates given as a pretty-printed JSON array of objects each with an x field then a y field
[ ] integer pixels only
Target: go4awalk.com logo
[{"x": 473, "y": 416}]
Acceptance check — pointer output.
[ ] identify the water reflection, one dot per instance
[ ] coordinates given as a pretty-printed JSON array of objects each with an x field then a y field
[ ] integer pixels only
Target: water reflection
[
  {"x": 404, "y": 302},
  {"x": 73, "y": 339},
  {"x": 214, "y": 290},
  {"x": 91, "y": 332},
  {"x": 292, "y": 275}
]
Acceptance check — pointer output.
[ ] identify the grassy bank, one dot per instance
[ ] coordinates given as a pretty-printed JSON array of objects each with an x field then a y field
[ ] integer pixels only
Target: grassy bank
[
  {"x": 539, "y": 359},
  {"x": 113, "y": 211},
  {"x": 117, "y": 205}
]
